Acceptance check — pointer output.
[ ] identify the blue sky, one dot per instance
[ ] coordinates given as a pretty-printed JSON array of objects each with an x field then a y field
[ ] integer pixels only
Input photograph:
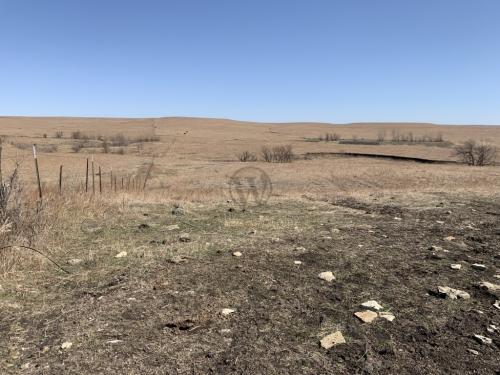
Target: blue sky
[{"x": 267, "y": 60}]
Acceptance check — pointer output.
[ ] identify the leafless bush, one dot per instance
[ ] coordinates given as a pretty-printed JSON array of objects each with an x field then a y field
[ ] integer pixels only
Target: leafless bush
[
  {"x": 77, "y": 146},
  {"x": 119, "y": 140},
  {"x": 330, "y": 137},
  {"x": 246, "y": 156},
  {"x": 474, "y": 153},
  {"x": 278, "y": 154},
  {"x": 59, "y": 134},
  {"x": 80, "y": 135},
  {"x": 381, "y": 136},
  {"x": 105, "y": 147}
]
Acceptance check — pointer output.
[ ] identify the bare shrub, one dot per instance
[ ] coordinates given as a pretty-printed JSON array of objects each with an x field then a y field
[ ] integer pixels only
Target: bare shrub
[
  {"x": 59, "y": 134},
  {"x": 246, "y": 156},
  {"x": 474, "y": 153},
  {"x": 77, "y": 146},
  {"x": 105, "y": 147},
  {"x": 79, "y": 135},
  {"x": 278, "y": 154},
  {"x": 381, "y": 136},
  {"x": 331, "y": 137},
  {"x": 119, "y": 140},
  {"x": 267, "y": 154}
]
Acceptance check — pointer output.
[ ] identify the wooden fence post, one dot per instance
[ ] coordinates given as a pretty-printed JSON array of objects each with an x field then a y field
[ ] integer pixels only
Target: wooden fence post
[
  {"x": 87, "y": 177},
  {"x": 111, "y": 179},
  {"x": 60, "y": 179},
  {"x": 37, "y": 173},
  {"x": 0, "y": 160},
  {"x": 93, "y": 176},
  {"x": 100, "y": 181}
]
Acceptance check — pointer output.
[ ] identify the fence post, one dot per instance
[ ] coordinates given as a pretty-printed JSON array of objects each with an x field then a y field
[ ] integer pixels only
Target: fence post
[
  {"x": 0, "y": 160},
  {"x": 37, "y": 173},
  {"x": 60, "y": 179},
  {"x": 100, "y": 181},
  {"x": 93, "y": 176},
  {"x": 87, "y": 177},
  {"x": 111, "y": 179}
]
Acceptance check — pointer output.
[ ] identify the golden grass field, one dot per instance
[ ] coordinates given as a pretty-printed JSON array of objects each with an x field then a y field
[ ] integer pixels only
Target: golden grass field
[{"x": 195, "y": 157}]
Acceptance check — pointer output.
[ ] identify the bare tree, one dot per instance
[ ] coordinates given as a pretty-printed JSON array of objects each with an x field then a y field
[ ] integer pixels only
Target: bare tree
[
  {"x": 473, "y": 153},
  {"x": 246, "y": 156}
]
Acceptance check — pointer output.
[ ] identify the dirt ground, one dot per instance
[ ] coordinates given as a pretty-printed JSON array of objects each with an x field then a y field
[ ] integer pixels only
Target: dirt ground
[{"x": 158, "y": 309}]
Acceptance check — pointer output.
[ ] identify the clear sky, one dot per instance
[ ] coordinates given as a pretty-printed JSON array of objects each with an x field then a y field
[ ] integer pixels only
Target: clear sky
[{"x": 268, "y": 60}]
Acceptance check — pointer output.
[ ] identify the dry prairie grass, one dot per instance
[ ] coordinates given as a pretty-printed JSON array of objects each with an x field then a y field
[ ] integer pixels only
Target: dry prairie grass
[{"x": 195, "y": 157}]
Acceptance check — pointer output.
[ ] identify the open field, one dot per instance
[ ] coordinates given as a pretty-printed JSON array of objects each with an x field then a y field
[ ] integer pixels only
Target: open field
[{"x": 388, "y": 230}]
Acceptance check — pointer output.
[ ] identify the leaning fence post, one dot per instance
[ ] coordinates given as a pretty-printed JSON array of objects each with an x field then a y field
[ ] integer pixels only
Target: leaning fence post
[
  {"x": 60, "y": 179},
  {"x": 87, "y": 177},
  {"x": 0, "y": 160},
  {"x": 100, "y": 181},
  {"x": 37, "y": 173},
  {"x": 93, "y": 176}
]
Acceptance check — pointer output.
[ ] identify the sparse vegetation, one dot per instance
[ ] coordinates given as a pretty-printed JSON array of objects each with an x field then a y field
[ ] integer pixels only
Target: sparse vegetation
[
  {"x": 476, "y": 153},
  {"x": 59, "y": 134},
  {"x": 278, "y": 154},
  {"x": 78, "y": 146},
  {"x": 246, "y": 156}
]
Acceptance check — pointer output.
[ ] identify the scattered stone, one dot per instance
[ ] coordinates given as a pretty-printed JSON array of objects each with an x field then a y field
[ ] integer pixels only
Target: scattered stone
[
  {"x": 480, "y": 267},
  {"x": 143, "y": 226},
  {"x": 275, "y": 240},
  {"x": 492, "y": 328},
  {"x": 472, "y": 351},
  {"x": 438, "y": 256},
  {"x": 225, "y": 331},
  {"x": 75, "y": 261},
  {"x": 300, "y": 248},
  {"x": 398, "y": 218},
  {"x": 496, "y": 276},
  {"x": 253, "y": 231},
  {"x": 335, "y": 230},
  {"x": 1, "y": 289},
  {"x": 226, "y": 312},
  {"x": 333, "y": 339},
  {"x": 490, "y": 287},
  {"x": 451, "y": 293},
  {"x": 121, "y": 254},
  {"x": 178, "y": 210},
  {"x": 483, "y": 339},
  {"x": 372, "y": 305},
  {"x": 172, "y": 227},
  {"x": 440, "y": 222},
  {"x": 456, "y": 266},
  {"x": 66, "y": 345},
  {"x": 327, "y": 276},
  {"x": 113, "y": 341},
  {"x": 366, "y": 316},
  {"x": 436, "y": 248},
  {"x": 185, "y": 237},
  {"x": 497, "y": 305},
  {"x": 297, "y": 262},
  {"x": 449, "y": 238},
  {"x": 237, "y": 254},
  {"x": 387, "y": 316}
]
